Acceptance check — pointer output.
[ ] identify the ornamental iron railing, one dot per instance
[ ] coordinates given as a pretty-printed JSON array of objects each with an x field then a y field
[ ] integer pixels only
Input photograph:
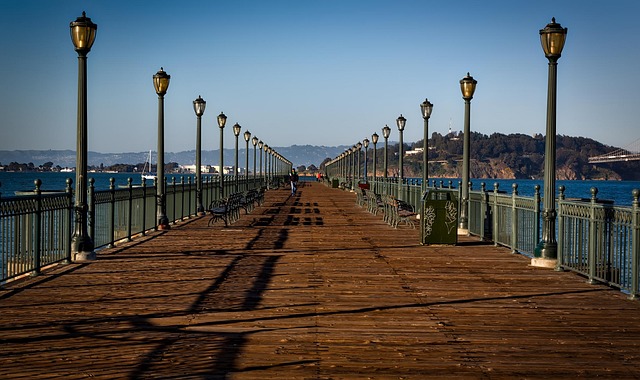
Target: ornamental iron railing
[
  {"x": 36, "y": 228},
  {"x": 595, "y": 238}
]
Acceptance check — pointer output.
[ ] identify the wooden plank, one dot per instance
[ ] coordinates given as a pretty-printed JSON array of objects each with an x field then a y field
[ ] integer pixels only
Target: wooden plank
[{"x": 312, "y": 287}]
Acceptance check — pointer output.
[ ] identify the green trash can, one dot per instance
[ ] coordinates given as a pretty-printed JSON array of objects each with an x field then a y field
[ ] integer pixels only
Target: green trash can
[
  {"x": 439, "y": 217},
  {"x": 335, "y": 183}
]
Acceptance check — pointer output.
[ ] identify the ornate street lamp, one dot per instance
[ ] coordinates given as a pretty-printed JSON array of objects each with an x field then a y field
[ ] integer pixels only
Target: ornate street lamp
[
  {"x": 386, "y": 131},
  {"x": 254, "y": 141},
  {"x": 426, "y": 107},
  {"x": 161, "y": 84},
  {"x": 247, "y": 136},
  {"x": 468, "y": 87},
  {"x": 236, "y": 133},
  {"x": 359, "y": 147},
  {"x": 374, "y": 140},
  {"x": 355, "y": 163},
  {"x": 260, "y": 146},
  {"x": 552, "y": 38},
  {"x": 222, "y": 120},
  {"x": 83, "y": 34},
  {"x": 266, "y": 165},
  {"x": 365, "y": 143},
  {"x": 198, "y": 106},
  {"x": 348, "y": 165},
  {"x": 400, "y": 122}
]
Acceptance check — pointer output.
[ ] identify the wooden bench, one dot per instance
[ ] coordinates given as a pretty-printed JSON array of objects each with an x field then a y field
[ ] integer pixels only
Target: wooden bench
[
  {"x": 361, "y": 197},
  {"x": 374, "y": 202},
  {"x": 226, "y": 209},
  {"x": 397, "y": 211},
  {"x": 250, "y": 199}
]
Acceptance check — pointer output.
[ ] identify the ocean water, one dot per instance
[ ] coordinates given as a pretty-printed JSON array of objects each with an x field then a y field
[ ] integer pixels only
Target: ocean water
[
  {"x": 10, "y": 182},
  {"x": 618, "y": 191}
]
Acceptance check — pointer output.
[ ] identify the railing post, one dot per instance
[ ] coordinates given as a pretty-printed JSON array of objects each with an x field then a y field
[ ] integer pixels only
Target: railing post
[
  {"x": 483, "y": 209},
  {"x": 536, "y": 211},
  {"x": 496, "y": 222},
  {"x": 635, "y": 246},
  {"x": 592, "y": 238},
  {"x": 69, "y": 223},
  {"x": 144, "y": 207},
  {"x": 156, "y": 183},
  {"x": 459, "y": 200},
  {"x": 91, "y": 212},
  {"x": 173, "y": 190},
  {"x": 130, "y": 207},
  {"x": 514, "y": 219},
  {"x": 189, "y": 198},
  {"x": 37, "y": 230},
  {"x": 112, "y": 231},
  {"x": 561, "y": 218},
  {"x": 181, "y": 198}
]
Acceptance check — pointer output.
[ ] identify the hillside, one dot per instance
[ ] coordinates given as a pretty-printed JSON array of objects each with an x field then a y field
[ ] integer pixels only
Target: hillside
[
  {"x": 513, "y": 156},
  {"x": 298, "y": 154},
  {"x": 492, "y": 156}
]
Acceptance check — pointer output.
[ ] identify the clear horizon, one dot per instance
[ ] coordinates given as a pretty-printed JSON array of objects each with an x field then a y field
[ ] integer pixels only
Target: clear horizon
[{"x": 320, "y": 73}]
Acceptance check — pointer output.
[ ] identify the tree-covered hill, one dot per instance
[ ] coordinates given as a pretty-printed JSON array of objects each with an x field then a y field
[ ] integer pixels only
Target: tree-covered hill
[
  {"x": 518, "y": 156},
  {"x": 507, "y": 156}
]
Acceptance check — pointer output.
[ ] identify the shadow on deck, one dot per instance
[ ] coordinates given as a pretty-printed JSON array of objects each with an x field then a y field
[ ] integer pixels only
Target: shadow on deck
[{"x": 312, "y": 287}]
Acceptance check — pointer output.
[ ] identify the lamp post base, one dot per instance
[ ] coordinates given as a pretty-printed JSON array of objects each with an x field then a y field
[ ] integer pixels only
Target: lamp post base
[
  {"x": 463, "y": 231},
  {"x": 544, "y": 263},
  {"x": 84, "y": 256}
]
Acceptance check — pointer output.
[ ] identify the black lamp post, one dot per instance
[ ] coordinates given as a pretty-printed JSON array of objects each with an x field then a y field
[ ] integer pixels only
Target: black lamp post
[
  {"x": 83, "y": 34},
  {"x": 266, "y": 164},
  {"x": 374, "y": 140},
  {"x": 426, "y": 107},
  {"x": 236, "y": 133},
  {"x": 199, "y": 106},
  {"x": 386, "y": 131},
  {"x": 260, "y": 146},
  {"x": 348, "y": 165},
  {"x": 552, "y": 38},
  {"x": 468, "y": 87},
  {"x": 247, "y": 136},
  {"x": 365, "y": 143},
  {"x": 358, "y": 166},
  {"x": 400, "y": 122},
  {"x": 222, "y": 120},
  {"x": 254, "y": 141},
  {"x": 161, "y": 84},
  {"x": 354, "y": 163}
]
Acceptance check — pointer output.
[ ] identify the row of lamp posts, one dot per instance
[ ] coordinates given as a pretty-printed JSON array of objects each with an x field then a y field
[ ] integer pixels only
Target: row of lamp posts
[
  {"x": 83, "y": 34},
  {"x": 552, "y": 38}
]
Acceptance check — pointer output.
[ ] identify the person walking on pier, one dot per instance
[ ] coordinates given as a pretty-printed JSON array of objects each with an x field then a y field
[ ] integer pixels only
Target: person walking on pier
[{"x": 293, "y": 178}]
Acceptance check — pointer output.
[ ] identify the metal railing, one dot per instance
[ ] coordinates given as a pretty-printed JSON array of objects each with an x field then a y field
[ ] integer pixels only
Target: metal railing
[
  {"x": 595, "y": 238},
  {"x": 600, "y": 240},
  {"x": 36, "y": 229}
]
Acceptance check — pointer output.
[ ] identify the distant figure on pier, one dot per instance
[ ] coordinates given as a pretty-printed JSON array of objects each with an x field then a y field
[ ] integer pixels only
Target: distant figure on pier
[{"x": 293, "y": 178}]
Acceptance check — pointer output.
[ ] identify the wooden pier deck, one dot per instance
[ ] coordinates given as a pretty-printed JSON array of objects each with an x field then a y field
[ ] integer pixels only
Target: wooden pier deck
[{"x": 312, "y": 287}]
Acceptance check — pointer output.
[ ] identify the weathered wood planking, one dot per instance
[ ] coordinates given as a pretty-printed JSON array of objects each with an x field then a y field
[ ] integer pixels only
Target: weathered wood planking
[{"x": 312, "y": 287}]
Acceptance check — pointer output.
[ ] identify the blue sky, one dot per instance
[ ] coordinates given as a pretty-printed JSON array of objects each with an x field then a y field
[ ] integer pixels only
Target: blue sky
[{"x": 323, "y": 72}]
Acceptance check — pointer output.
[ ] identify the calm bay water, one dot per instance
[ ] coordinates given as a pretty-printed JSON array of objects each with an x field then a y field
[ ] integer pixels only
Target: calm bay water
[
  {"x": 17, "y": 181},
  {"x": 618, "y": 191}
]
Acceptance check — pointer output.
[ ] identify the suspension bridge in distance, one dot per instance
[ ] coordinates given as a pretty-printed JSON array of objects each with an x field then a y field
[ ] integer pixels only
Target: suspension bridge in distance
[{"x": 629, "y": 153}]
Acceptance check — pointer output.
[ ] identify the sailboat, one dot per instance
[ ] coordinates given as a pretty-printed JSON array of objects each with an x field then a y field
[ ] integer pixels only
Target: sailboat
[{"x": 146, "y": 171}]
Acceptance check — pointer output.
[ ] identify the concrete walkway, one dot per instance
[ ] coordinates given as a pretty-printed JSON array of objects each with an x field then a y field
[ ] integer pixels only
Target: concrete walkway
[{"x": 312, "y": 287}]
